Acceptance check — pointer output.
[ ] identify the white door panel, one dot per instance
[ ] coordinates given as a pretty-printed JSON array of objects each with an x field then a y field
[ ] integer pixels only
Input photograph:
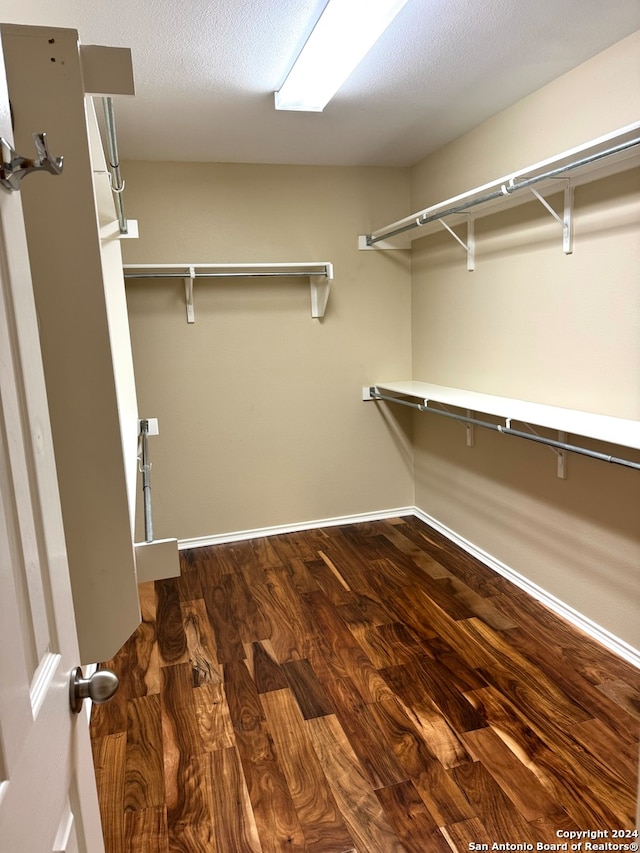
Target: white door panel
[{"x": 48, "y": 798}]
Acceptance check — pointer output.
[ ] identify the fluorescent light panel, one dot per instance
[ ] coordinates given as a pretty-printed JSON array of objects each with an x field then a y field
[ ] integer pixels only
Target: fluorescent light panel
[{"x": 345, "y": 32}]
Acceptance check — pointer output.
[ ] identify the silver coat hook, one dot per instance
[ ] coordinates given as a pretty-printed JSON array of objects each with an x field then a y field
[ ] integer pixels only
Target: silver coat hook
[{"x": 14, "y": 167}]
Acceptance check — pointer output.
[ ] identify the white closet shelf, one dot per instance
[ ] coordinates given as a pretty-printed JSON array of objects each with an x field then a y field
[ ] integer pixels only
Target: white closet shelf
[
  {"x": 600, "y": 427},
  {"x": 606, "y": 155},
  {"x": 318, "y": 273}
]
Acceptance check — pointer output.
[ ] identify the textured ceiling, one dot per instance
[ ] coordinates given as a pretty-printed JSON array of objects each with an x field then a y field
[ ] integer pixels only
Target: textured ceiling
[{"x": 206, "y": 72}]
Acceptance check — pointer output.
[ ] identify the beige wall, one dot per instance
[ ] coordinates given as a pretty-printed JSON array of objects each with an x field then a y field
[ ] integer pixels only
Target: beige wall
[
  {"x": 261, "y": 419},
  {"x": 535, "y": 324}
]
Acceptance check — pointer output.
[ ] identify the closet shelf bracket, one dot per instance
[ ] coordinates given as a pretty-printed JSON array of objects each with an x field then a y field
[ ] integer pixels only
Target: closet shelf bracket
[
  {"x": 319, "y": 276},
  {"x": 558, "y": 449},
  {"x": 566, "y": 221},
  {"x": 188, "y": 295},
  {"x": 469, "y": 246}
]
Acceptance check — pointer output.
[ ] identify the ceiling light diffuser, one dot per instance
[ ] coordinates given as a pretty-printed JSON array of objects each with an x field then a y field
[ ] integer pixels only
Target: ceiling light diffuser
[{"x": 345, "y": 32}]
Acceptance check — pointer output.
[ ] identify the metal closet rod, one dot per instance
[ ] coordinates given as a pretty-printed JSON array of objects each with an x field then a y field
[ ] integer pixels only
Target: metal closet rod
[
  {"x": 505, "y": 190},
  {"x": 117, "y": 184},
  {"x": 560, "y": 445},
  {"x": 145, "y": 468},
  {"x": 185, "y": 274}
]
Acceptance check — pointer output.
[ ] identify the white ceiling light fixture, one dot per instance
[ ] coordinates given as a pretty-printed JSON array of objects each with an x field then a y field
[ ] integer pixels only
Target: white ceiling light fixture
[{"x": 345, "y": 32}]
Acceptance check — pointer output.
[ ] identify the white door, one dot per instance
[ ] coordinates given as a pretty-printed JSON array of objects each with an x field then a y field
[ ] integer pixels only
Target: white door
[{"x": 48, "y": 798}]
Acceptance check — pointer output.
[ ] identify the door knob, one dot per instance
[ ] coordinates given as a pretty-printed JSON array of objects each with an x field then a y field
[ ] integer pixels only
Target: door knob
[{"x": 99, "y": 687}]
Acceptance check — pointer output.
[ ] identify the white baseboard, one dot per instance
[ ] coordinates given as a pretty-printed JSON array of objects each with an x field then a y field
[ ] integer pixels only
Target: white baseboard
[
  {"x": 239, "y": 535},
  {"x": 596, "y": 632}
]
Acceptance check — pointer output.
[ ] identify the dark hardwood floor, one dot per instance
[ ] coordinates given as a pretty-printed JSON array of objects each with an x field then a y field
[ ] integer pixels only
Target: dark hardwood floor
[{"x": 364, "y": 688}]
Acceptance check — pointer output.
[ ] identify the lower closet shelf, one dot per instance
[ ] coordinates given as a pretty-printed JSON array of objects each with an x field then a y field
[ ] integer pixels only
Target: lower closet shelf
[{"x": 605, "y": 428}]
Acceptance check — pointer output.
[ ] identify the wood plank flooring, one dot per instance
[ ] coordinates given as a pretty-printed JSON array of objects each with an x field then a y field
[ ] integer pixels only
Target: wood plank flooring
[{"x": 364, "y": 688}]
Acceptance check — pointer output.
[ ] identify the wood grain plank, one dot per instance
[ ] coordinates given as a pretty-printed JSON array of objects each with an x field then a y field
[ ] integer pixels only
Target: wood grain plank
[
  {"x": 301, "y": 577},
  {"x": 411, "y": 820},
  {"x": 253, "y": 556},
  {"x": 144, "y": 774},
  {"x": 293, "y": 630},
  {"x": 625, "y": 696},
  {"x": 387, "y": 645},
  {"x": 291, "y": 546},
  {"x": 109, "y": 755},
  {"x": 344, "y": 560},
  {"x": 524, "y": 681},
  {"x": 215, "y": 561},
  {"x": 517, "y": 782},
  {"x": 423, "y": 712},
  {"x": 172, "y": 643},
  {"x": 234, "y": 824},
  {"x": 335, "y": 572},
  {"x": 499, "y": 816},
  {"x": 590, "y": 659},
  {"x": 445, "y": 801},
  {"x": 150, "y": 659},
  {"x": 397, "y": 535},
  {"x": 563, "y": 662},
  {"x": 322, "y": 824},
  {"x": 446, "y": 694},
  {"x": 588, "y": 791},
  {"x": 212, "y": 717},
  {"x": 361, "y": 810},
  {"x": 474, "y": 603},
  {"x": 605, "y": 745},
  {"x": 201, "y": 643},
  {"x": 375, "y": 754},
  {"x": 402, "y": 569},
  {"x": 310, "y": 696},
  {"x": 335, "y": 588},
  {"x": 189, "y": 586},
  {"x": 428, "y": 620},
  {"x": 347, "y": 657},
  {"x": 365, "y": 611},
  {"x": 248, "y": 617},
  {"x": 265, "y": 670},
  {"x": 145, "y": 830},
  {"x": 458, "y": 562},
  {"x": 182, "y": 745},
  {"x": 462, "y": 835},
  {"x": 190, "y": 826},
  {"x": 513, "y": 728},
  {"x": 219, "y": 608},
  {"x": 273, "y": 808}
]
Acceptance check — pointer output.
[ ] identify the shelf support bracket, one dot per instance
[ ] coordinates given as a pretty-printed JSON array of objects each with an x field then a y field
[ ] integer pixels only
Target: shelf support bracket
[
  {"x": 566, "y": 221},
  {"x": 320, "y": 286},
  {"x": 471, "y": 433},
  {"x": 560, "y": 454},
  {"x": 469, "y": 246},
  {"x": 470, "y": 428},
  {"x": 188, "y": 295}
]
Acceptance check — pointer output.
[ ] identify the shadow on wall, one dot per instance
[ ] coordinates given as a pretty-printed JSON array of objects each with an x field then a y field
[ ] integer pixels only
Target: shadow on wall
[{"x": 507, "y": 482}]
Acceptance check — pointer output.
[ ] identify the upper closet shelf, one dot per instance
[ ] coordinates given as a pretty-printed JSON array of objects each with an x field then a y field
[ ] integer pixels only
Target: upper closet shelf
[
  {"x": 601, "y": 427},
  {"x": 614, "y": 152},
  {"x": 319, "y": 274}
]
